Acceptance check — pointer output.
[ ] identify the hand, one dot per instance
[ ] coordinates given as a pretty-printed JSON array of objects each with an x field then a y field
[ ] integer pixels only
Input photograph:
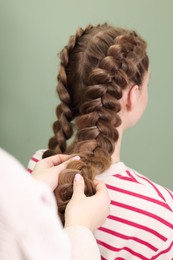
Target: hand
[
  {"x": 90, "y": 212},
  {"x": 48, "y": 169}
]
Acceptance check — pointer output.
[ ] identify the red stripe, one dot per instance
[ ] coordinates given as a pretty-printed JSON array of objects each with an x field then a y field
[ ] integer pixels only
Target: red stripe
[
  {"x": 147, "y": 229},
  {"x": 138, "y": 240},
  {"x": 154, "y": 186},
  {"x": 34, "y": 159},
  {"x": 130, "y": 177},
  {"x": 163, "y": 252},
  {"x": 143, "y": 212},
  {"x": 29, "y": 170},
  {"x": 170, "y": 193},
  {"x": 137, "y": 195},
  {"x": 115, "y": 249},
  {"x": 117, "y": 258}
]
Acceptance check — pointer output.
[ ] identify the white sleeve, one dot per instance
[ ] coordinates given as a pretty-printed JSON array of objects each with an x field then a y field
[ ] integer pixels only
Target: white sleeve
[
  {"x": 84, "y": 246},
  {"x": 29, "y": 227}
]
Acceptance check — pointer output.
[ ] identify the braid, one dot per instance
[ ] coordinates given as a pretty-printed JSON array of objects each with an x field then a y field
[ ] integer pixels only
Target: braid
[
  {"x": 96, "y": 67},
  {"x": 62, "y": 128}
]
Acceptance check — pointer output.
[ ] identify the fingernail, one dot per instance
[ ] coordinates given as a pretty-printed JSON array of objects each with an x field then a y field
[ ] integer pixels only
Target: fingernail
[
  {"x": 78, "y": 177},
  {"x": 76, "y": 158}
]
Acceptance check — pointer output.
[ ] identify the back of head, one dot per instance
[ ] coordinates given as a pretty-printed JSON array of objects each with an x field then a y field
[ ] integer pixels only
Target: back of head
[{"x": 97, "y": 64}]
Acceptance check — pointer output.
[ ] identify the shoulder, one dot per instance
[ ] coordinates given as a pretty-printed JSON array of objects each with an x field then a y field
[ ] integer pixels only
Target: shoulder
[
  {"x": 161, "y": 192},
  {"x": 126, "y": 180},
  {"x": 37, "y": 156},
  {"x": 149, "y": 188}
]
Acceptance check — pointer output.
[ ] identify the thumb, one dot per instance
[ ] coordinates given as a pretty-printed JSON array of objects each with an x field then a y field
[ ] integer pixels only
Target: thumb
[{"x": 78, "y": 185}]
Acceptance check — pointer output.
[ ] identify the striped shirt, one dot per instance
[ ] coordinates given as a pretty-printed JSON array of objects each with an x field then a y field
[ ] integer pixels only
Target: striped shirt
[{"x": 140, "y": 224}]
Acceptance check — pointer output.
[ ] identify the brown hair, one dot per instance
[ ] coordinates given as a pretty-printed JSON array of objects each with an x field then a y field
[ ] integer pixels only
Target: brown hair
[{"x": 97, "y": 64}]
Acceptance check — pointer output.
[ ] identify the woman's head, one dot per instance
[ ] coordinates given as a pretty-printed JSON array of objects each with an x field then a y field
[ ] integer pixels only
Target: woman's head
[{"x": 99, "y": 66}]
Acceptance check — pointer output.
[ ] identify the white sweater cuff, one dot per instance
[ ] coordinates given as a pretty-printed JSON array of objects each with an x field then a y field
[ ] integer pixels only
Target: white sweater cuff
[{"x": 83, "y": 243}]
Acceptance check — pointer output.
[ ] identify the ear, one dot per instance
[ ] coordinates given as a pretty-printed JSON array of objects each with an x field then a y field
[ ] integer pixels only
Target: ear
[{"x": 132, "y": 97}]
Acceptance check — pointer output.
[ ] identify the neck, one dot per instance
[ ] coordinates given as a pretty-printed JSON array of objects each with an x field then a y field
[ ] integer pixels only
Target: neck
[{"x": 116, "y": 154}]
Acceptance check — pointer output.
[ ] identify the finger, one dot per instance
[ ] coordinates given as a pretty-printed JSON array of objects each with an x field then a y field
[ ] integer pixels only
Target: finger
[
  {"x": 58, "y": 159},
  {"x": 78, "y": 185},
  {"x": 63, "y": 165},
  {"x": 100, "y": 186},
  {"x": 60, "y": 167},
  {"x": 101, "y": 189},
  {"x": 55, "y": 159},
  {"x": 62, "y": 158}
]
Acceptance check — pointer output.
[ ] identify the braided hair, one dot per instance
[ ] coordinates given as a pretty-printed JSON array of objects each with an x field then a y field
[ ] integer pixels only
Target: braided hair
[{"x": 97, "y": 64}]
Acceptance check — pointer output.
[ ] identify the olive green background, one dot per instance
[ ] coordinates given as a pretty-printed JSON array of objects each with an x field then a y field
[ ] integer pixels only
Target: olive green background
[{"x": 33, "y": 32}]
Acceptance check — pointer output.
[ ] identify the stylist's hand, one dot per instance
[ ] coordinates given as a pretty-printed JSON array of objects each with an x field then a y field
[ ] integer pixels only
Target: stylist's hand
[
  {"x": 47, "y": 170},
  {"x": 90, "y": 212}
]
